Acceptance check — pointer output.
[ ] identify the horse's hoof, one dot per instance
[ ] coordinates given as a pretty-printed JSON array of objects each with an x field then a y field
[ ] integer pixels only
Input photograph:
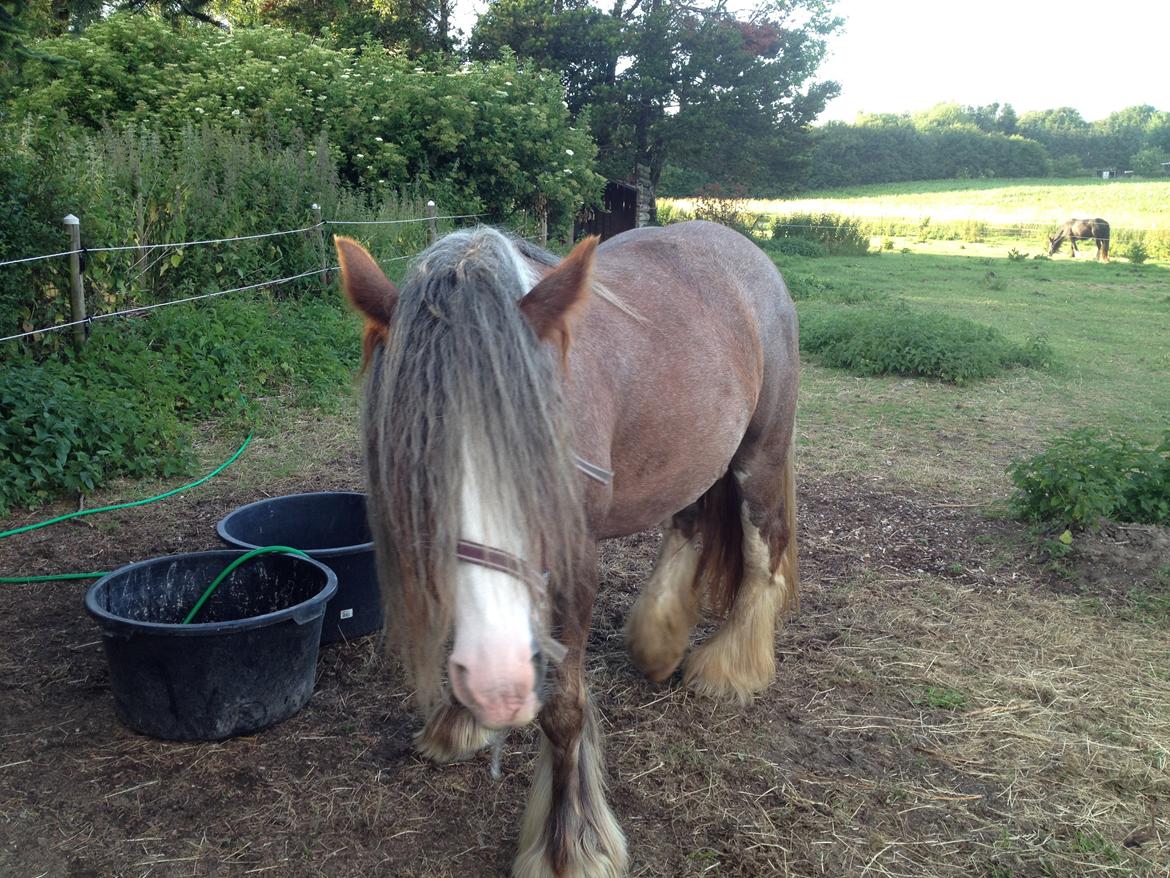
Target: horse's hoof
[
  {"x": 656, "y": 665},
  {"x": 714, "y": 671}
]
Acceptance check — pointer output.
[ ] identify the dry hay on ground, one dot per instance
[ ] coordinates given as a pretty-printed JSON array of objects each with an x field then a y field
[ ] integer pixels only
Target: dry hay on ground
[{"x": 939, "y": 710}]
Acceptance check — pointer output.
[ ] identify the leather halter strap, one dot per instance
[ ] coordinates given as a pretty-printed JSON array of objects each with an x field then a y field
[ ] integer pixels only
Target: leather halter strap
[
  {"x": 506, "y": 562},
  {"x": 498, "y": 559}
]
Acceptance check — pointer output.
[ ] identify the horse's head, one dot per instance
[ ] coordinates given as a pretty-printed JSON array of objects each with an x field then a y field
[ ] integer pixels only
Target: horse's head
[
  {"x": 1054, "y": 242},
  {"x": 468, "y": 446}
]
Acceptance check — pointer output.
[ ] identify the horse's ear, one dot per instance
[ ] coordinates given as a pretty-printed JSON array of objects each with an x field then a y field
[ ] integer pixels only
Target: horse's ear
[
  {"x": 370, "y": 291},
  {"x": 551, "y": 305}
]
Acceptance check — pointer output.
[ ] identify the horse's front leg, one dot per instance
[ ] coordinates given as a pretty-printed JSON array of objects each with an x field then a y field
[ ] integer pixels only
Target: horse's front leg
[{"x": 569, "y": 830}]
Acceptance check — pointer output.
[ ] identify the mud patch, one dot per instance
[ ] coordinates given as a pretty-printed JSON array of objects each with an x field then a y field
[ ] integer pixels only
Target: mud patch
[{"x": 1117, "y": 559}]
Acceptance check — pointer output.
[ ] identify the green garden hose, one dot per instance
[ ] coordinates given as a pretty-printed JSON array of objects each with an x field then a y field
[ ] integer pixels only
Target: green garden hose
[
  {"x": 247, "y": 556},
  {"x": 79, "y": 514},
  {"x": 56, "y": 576}
]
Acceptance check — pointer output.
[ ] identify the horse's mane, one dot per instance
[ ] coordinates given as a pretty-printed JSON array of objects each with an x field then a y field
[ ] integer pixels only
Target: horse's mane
[
  {"x": 539, "y": 255},
  {"x": 463, "y": 381}
]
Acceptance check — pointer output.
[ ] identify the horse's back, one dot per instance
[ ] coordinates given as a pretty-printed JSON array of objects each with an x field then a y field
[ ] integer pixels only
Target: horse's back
[{"x": 712, "y": 359}]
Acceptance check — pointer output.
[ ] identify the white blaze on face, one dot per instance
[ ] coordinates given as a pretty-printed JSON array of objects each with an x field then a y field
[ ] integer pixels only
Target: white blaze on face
[{"x": 490, "y": 666}]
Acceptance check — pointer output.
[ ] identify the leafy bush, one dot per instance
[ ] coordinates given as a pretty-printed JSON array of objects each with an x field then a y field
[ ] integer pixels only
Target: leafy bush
[
  {"x": 668, "y": 213},
  {"x": 717, "y": 205},
  {"x": 125, "y": 405},
  {"x": 838, "y": 235},
  {"x": 1082, "y": 477},
  {"x": 1135, "y": 252},
  {"x": 1148, "y": 162},
  {"x": 493, "y": 135},
  {"x": 1154, "y": 243},
  {"x": 871, "y": 340},
  {"x": 796, "y": 247},
  {"x": 61, "y": 432}
]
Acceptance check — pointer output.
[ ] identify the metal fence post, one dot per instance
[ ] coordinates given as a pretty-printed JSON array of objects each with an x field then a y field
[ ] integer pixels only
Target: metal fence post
[
  {"x": 322, "y": 248},
  {"x": 76, "y": 285}
]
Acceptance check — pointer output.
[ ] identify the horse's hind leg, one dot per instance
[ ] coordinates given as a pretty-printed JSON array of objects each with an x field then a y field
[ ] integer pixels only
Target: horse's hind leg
[
  {"x": 659, "y": 626},
  {"x": 739, "y": 660}
]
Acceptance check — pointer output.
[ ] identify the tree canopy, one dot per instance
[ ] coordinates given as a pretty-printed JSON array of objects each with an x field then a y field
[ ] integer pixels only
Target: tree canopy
[{"x": 725, "y": 95}]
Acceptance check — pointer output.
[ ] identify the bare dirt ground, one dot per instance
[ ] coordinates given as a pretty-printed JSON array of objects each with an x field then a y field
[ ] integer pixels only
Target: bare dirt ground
[{"x": 945, "y": 704}]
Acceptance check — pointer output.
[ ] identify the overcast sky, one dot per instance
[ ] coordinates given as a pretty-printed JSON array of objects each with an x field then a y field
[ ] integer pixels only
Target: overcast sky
[{"x": 906, "y": 55}]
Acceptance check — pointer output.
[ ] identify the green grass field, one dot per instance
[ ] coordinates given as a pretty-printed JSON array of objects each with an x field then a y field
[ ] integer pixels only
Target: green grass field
[
  {"x": 1128, "y": 204},
  {"x": 1108, "y": 325}
]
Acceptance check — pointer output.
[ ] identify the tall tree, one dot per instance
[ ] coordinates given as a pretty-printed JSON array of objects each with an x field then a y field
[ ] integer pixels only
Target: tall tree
[
  {"x": 729, "y": 95},
  {"x": 418, "y": 26}
]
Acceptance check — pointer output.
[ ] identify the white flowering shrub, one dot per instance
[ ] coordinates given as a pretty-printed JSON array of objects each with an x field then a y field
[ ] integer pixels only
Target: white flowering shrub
[{"x": 489, "y": 137}]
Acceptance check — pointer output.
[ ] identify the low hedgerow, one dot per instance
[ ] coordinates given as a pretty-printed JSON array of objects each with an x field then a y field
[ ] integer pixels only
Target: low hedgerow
[
  {"x": 875, "y": 340},
  {"x": 1149, "y": 243},
  {"x": 124, "y": 406},
  {"x": 838, "y": 235},
  {"x": 806, "y": 287},
  {"x": 802, "y": 247},
  {"x": 1082, "y": 477}
]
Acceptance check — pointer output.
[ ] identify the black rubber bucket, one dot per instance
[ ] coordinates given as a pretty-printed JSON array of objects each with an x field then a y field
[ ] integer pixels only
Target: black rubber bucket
[
  {"x": 249, "y": 659},
  {"x": 331, "y": 527}
]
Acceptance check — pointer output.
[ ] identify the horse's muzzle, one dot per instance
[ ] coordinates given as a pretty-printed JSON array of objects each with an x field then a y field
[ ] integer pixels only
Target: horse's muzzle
[{"x": 500, "y": 691}]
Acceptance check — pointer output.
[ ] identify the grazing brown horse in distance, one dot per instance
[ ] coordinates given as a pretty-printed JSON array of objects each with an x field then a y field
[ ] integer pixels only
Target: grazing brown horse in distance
[
  {"x": 1082, "y": 230},
  {"x": 520, "y": 408}
]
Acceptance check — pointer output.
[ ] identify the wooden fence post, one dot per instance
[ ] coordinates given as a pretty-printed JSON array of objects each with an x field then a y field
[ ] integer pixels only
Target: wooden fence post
[
  {"x": 76, "y": 286},
  {"x": 544, "y": 228},
  {"x": 322, "y": 247},
  {"x": 432, "y": 223}
]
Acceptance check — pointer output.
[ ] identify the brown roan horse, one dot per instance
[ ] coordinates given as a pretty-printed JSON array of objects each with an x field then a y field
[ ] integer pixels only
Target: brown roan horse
[
  {"x": 520, "y": 408},
  {"x": 1082, "y": 230}
]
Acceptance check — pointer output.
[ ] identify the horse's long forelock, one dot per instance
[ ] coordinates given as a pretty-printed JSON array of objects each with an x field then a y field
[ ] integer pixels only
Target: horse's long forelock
[{"x": 462, "y": 366}]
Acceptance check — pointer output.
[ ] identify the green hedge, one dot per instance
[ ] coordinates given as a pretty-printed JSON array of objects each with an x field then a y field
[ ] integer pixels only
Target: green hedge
[
  {"x": 130, "y": 186},
  {"x": 494, "y": 135}
]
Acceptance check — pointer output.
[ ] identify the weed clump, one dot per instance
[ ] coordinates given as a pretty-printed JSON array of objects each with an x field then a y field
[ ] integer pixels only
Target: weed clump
[
  {"x": 838, "y": 235},
  {"x": 871, "y": 340},
  {"x": 1082, "y": 477},
  {"x": 802, "y": 247},
  {"x": 126, "y": 405}
]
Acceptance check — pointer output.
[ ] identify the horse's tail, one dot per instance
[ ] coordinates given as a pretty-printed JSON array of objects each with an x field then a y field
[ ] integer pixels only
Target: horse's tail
[
  {"x": 720, "y": 566},
  {"x": 721, "y": 561},
  {"x": 789, "y": 566}
]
